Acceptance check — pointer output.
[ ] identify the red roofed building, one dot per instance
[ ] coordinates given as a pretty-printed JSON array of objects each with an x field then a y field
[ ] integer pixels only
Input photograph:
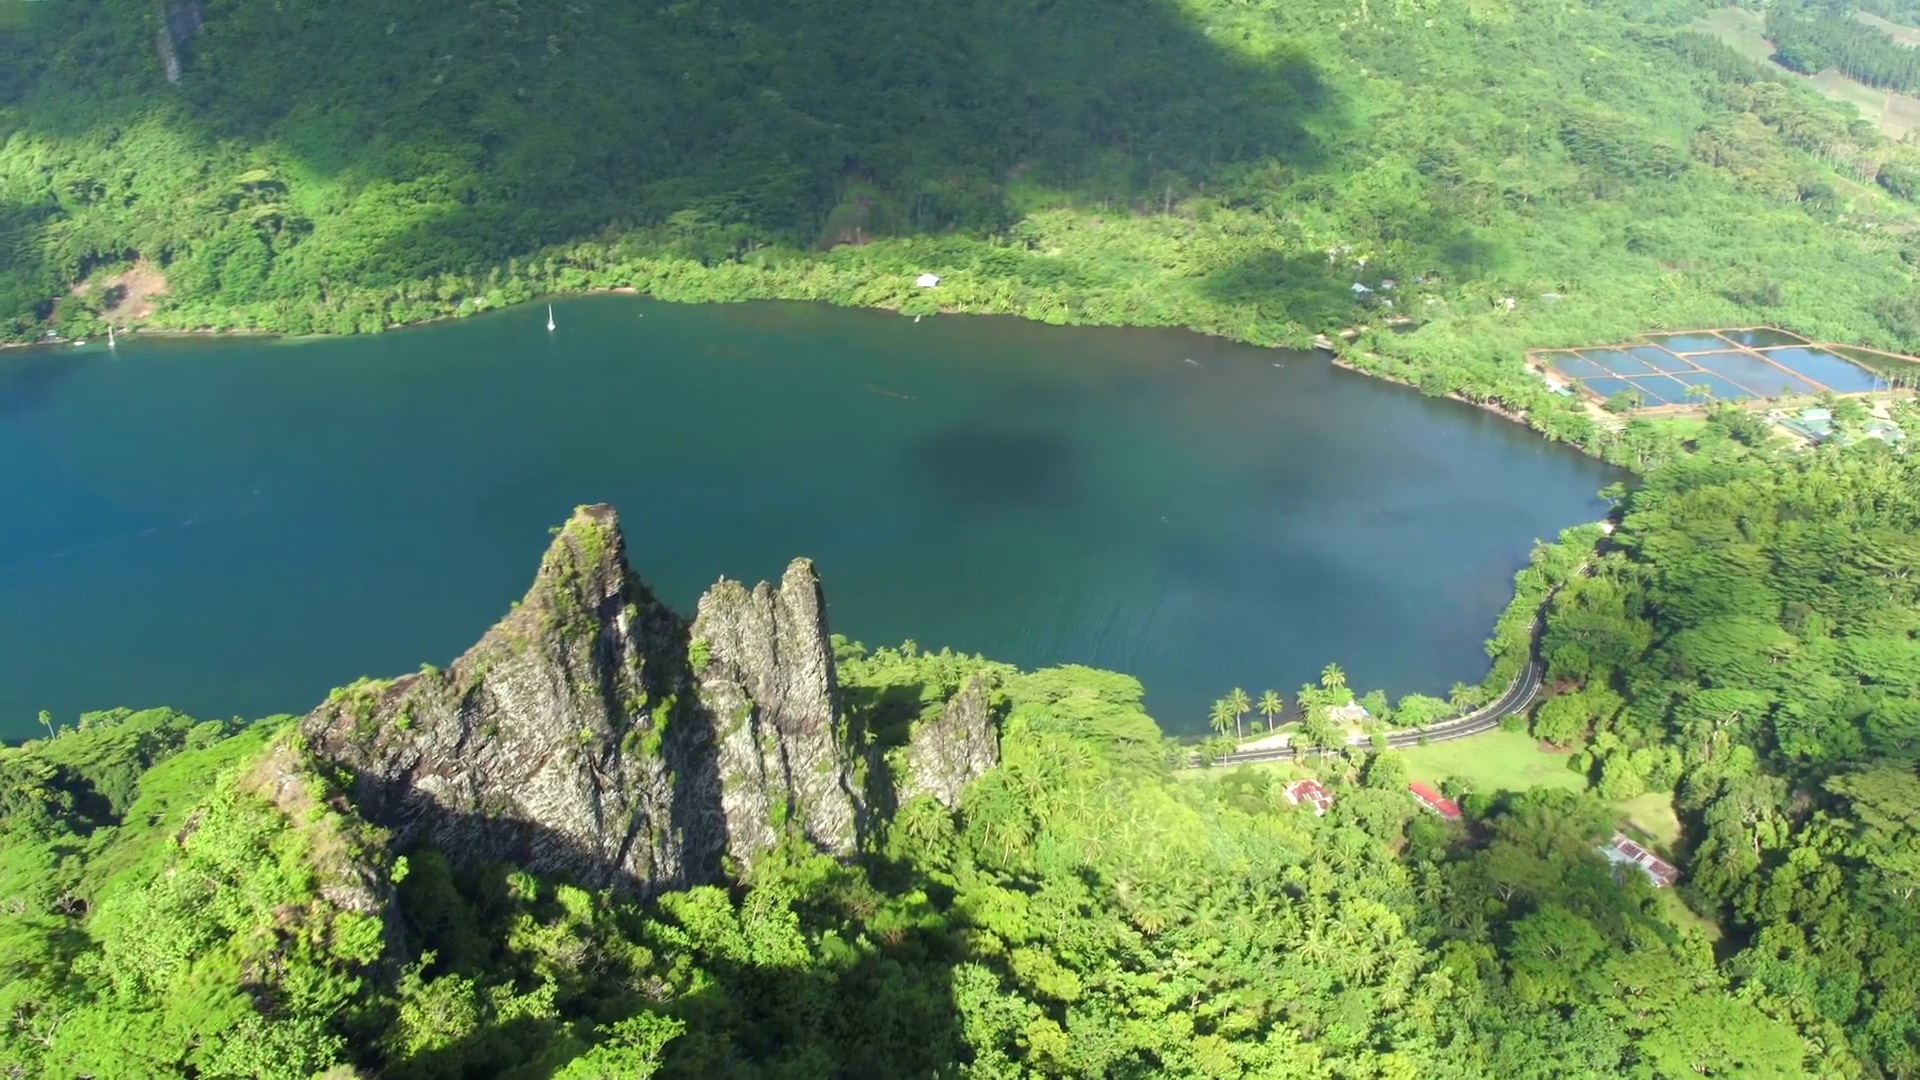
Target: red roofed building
[
  {"x": 1434, "y": 801},
  {"x": 1310, "y": 791}
]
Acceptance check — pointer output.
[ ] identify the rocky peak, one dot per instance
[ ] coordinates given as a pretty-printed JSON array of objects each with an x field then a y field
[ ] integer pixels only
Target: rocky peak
[
  {"x": 595, "y": 734},
  {"x": 765, "y": 668},
  {"x": 576, "y": 738},
  {"x": 544, "y": 743}
]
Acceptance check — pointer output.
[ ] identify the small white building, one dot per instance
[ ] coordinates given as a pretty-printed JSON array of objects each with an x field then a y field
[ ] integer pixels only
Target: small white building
[
  {"x": 1658, "y": 870},
  {"x": 1351, "y": 713},
  {"x": 927, "y": 281}
]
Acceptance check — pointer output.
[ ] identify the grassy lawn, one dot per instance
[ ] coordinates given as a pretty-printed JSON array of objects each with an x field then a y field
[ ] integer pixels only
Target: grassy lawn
[
  {"x": 1686, "y": 427},
  {"x": 1652, "y": 816},
  {"x": 1684, "y": 917},
  {"x": 1496, "y": 759},
  {"x": 1514, "y": 761}
]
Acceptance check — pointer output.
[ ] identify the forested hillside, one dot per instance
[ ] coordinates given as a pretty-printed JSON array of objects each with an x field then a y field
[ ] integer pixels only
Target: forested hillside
[
  {"x": 1086, "y": 914},
  {"x": 1231, "y": 167},
  {"x": 1753, "y": 643}
]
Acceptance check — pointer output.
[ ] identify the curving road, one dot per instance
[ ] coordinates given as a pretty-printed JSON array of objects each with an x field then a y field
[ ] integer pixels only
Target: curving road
[{"x": 1519, "y": 694}]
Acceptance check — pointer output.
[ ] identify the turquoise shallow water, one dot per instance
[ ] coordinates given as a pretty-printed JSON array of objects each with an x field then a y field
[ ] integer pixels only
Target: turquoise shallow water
[{"x": 234, "y": 526}]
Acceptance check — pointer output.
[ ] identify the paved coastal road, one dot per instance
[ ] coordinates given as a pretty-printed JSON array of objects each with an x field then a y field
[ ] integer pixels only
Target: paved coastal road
[{"x": 1519, "y": 694}]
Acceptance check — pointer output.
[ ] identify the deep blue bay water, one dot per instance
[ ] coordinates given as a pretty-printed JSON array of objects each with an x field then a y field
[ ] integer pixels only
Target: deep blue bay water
[{"x": 234, "y": 526}]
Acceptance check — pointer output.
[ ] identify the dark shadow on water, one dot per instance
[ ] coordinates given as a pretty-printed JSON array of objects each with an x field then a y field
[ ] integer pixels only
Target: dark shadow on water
[
  {"x": 31, "y": 377},
  {"x": 978, "y": 470}
]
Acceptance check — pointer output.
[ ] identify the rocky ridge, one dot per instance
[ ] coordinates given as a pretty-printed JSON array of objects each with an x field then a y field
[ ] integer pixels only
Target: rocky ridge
[{"x": 595, "y": 734}]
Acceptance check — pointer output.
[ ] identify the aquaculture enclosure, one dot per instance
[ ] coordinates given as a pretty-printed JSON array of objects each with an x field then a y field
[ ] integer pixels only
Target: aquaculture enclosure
[{"x": 1724, "y": 365}]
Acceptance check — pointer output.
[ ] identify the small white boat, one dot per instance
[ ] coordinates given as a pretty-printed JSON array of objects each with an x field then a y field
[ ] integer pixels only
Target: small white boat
[
  {"x": 549, "y": 318},
  {"x": 110, "y": 341}
]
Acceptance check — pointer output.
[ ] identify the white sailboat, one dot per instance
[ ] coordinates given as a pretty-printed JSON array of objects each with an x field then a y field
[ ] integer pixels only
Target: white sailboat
[
  {"x": 110, "y": 342},
  {"x": 549, "y": 318}
]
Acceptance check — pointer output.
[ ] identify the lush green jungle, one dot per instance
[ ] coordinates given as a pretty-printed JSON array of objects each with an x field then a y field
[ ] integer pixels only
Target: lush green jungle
[
  {"x": 1747, "y": 639},
  {"x": 1229, "y": 166},
  {"x": 1746, "y": 642}
]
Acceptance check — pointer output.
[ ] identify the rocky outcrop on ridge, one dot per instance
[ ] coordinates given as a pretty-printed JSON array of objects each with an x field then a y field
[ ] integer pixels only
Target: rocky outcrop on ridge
[
  {"x": 947, "y": 753},
  {"x": 555, "y": 743},
  {"x": 765, "y": 670},
  {"x": 597, "y": 735},
  {"x": 583, "y": 737}
]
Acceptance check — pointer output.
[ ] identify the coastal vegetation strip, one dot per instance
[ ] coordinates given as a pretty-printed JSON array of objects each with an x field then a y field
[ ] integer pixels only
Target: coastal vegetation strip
[
  {"x": 1259, "y": 184},
  {"x": 1333, "y": 718}
]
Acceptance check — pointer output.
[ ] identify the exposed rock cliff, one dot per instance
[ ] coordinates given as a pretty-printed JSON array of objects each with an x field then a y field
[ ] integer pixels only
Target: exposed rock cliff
[
  {"x": 944, "y": 755},
  {"x": 548, "y": 743},
  {"x": 765, "y": 670},
  {"x": 594, "y": 733}
]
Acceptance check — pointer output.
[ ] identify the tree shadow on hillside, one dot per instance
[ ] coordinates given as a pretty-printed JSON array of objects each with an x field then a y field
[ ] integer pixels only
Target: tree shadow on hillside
[
  {"x": 1308, "y": 290},
  {"x": 883, "y": 1009},
  {"x": 496, "y": 128},
  {"x": 1327, "y": 292}
]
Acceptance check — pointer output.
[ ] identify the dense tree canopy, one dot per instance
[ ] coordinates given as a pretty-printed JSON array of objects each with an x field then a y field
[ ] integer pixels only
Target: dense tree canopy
[
  {"x": 1232, "y": 167},
  {"x": 1086, "y": 913},
  {"x": 1751, "y": 640}
]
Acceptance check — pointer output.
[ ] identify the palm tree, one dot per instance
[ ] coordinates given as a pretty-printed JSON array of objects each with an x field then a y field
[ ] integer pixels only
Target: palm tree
[
  {"x": 1222, "y": 717},
  {"x": 1271, "y": 707},
  {"x": 1238, "y": 699},
  {"x": 1462, "y": 696},
  {"x": 1332, "y": 679},
  {"x": 1311, "y": 697}
]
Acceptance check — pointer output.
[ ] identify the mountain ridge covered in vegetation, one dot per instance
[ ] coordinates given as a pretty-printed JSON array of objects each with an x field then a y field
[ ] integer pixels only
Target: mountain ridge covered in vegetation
[{"x": 1231, "y": 168}]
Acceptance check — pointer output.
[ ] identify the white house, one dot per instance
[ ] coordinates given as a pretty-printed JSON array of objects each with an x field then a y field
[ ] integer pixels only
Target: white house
[{"x": 1353, "y": 713}]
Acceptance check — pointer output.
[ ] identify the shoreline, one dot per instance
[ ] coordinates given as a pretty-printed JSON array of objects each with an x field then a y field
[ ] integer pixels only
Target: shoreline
[
  {"x": 1320, "y": 343},
  {"x": 139, "y": 329},
  {"x": 1498, "y": 410}
]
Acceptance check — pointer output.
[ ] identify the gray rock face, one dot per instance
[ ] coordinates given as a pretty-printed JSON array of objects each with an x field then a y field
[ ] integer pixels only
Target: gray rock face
[
  {"x": 945, "y": 755},
  {"x": 577, "y": 739},
  {"x": 765, "y": 672}
]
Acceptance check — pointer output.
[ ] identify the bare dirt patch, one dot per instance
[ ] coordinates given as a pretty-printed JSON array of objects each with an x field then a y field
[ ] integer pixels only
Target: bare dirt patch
[{"x": 129, "y": 296}]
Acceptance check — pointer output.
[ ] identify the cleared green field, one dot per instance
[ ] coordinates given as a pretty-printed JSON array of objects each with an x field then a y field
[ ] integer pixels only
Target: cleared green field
[
  {"x": 1745, "y": 31},
  {"x": 1905, "y": 35},
  {"x": 1508, "y": 761},
  {"x": 1496, "y": 760},
  {"x": 1651, "y": 815}
]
